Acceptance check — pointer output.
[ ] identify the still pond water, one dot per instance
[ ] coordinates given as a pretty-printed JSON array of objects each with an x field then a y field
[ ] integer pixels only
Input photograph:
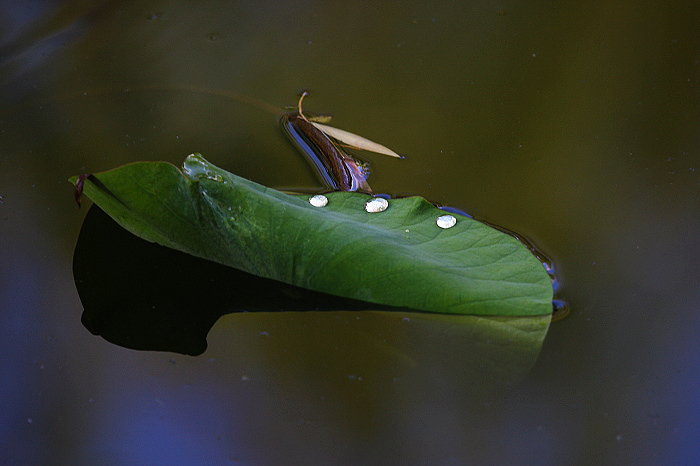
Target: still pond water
[{"x": 577, "y": 126}]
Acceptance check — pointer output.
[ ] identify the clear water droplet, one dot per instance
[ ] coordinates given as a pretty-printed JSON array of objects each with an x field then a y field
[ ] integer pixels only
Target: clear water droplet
[
  {"x": 446, "y": 221},
  {"x": 376, "y": 204},
  {"x": 319, "y": 200},
  {"x": 196, "y": 167}
]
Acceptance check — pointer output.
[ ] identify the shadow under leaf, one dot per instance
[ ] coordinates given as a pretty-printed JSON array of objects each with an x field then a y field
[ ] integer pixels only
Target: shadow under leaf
[{"x": 144, "y": 296}]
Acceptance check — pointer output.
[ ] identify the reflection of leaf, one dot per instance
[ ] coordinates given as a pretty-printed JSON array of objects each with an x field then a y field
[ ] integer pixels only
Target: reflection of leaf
[
  {"x": 355, "y": 141},
  {"x": 449, "y": 357},
  {"x": 398, "y": 257}
]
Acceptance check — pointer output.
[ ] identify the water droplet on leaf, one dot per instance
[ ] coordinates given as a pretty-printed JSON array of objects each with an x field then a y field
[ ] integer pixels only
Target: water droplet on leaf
[
  {"x": 446, "y": 221},
  {"x": 319, "y": 200},
  {"x": 196, "y": 167},
  {"x": 376, "y": 204}
]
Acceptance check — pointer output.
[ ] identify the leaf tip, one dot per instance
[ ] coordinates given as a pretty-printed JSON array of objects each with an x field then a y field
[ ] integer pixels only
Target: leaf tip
[{"x": 79, "y": 181}]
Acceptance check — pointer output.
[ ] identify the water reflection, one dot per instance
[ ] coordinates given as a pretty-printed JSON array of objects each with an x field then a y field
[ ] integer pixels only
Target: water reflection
[{"x": 147, "y": 297}]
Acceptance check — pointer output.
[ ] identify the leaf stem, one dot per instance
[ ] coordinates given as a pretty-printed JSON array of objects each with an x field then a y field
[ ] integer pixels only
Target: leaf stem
[{"x": 301, "y": 114}]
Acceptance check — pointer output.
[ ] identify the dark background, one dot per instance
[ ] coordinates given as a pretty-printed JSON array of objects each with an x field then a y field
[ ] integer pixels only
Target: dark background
[{"x": 575, "y": 124}]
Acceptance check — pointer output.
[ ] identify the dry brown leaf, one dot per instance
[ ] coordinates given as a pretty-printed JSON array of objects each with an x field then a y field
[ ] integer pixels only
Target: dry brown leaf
[
  {"x": 320, "y": 118},
  {"x": 355, "y": 141}
]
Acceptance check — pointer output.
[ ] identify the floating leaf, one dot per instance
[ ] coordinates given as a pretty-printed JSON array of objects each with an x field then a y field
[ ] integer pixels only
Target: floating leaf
[
  {"x": 355, "y": 141},
  {"x": 398, "y": 256},
  {"x": 338, "y": 170}
]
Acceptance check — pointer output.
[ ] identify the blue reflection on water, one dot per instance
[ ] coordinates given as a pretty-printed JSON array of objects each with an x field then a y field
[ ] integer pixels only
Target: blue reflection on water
[
  {"x": 146, "y": 428},
  {"x": 685, "y": 431},
  {"x": 36, "y": 31}
]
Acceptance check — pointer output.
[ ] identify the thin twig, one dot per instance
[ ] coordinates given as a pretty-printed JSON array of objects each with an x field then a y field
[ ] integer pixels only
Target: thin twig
[{"x": 301, "y": 114}]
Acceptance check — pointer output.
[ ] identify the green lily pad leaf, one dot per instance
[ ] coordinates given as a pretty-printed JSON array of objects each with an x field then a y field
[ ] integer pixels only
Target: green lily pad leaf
[{"x": 399, "y": 256}]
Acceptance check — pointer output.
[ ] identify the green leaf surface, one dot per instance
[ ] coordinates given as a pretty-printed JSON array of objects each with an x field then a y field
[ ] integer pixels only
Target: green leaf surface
[{"x": 398, "y": 257}]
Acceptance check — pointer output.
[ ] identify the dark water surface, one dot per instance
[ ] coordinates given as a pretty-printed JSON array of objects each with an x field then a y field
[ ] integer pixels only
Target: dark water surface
[{"x": 577, "y": 126}]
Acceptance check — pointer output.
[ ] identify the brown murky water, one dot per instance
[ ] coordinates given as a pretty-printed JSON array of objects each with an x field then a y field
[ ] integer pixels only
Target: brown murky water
[{"x": 576, "y": 126}]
